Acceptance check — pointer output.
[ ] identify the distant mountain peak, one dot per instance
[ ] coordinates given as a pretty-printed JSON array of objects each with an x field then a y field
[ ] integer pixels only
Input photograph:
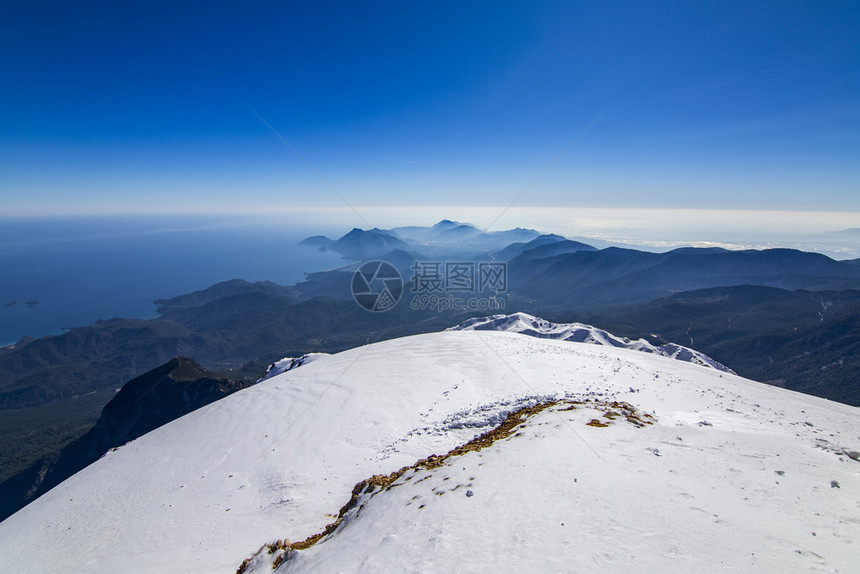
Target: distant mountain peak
[
  {"x": 448, "y": 224},
  {"x": 360, "y": 244}
]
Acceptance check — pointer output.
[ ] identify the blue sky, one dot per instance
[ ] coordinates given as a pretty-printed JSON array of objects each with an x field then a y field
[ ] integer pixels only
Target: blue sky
[{"x": 148, "y": 107}]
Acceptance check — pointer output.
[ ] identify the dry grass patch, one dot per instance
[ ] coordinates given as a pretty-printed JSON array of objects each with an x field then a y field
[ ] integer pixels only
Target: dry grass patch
[{"x": 377, "y": 483}]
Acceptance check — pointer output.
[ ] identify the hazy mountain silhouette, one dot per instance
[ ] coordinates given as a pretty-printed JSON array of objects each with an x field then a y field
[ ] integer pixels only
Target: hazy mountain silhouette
[
  {"x": 360, "y": 244},
  {"x": 616, "y": 276}
]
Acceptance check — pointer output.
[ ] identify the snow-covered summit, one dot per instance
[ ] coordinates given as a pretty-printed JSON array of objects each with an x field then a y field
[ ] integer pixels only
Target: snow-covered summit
[
  {"x": 468, "y": 451},
  {"x": 526, "y": 324}
]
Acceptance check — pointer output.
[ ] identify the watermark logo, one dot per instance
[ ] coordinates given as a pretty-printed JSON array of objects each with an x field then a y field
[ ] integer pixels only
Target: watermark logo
[
  {"x": 458, "y": 285},
  {"x": 435, "y": 285},
  {"x": 377, "y": 286},
  {"x": 459, "y": 277}
]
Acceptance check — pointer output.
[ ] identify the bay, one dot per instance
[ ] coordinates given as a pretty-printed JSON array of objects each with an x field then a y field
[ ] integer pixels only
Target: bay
[{"x": 58, "y": 273}]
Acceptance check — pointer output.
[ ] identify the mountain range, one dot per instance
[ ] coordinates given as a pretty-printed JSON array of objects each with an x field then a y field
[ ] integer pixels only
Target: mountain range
[
  {"x": 784, "y": 317},
  {"x": 807, "y": 341},
  {"x": 444, "y": 238}
]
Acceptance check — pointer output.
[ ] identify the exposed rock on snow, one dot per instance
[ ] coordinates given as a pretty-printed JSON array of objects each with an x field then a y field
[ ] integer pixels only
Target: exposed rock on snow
[{"x": 290, "y": 363}]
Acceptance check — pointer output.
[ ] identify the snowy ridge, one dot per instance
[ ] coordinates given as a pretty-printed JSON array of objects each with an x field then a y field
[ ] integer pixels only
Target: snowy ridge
[
  {"x": 638, "y": 460},
  {"x": 526, "y": 324},
  {"x": 290, "y": 363}
]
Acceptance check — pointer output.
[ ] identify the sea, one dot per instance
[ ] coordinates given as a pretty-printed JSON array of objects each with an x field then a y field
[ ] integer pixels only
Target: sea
[{"x": 62, "y": 272}]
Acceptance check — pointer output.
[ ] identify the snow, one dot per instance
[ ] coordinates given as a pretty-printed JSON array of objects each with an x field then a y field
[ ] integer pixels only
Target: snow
[
  {"x": 581, "y": 333},
  {"x": 279, "y": 459},
  {"x": 290, "y": 363}
]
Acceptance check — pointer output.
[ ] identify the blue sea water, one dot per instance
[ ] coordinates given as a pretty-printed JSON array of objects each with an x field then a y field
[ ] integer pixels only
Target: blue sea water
[{"x": 57, "y": 273}]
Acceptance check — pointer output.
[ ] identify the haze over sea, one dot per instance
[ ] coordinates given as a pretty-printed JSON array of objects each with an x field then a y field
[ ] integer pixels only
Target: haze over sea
[{"x": 84, "y": 269}]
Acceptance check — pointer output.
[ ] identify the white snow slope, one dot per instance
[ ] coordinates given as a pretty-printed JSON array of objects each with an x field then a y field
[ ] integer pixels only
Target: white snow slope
[
  {"x": 733, "y": 476},
  {"x": 581, "y": 333}
]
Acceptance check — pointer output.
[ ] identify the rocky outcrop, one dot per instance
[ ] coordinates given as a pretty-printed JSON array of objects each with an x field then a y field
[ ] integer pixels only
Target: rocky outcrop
[{"x": 143, "y": 404}]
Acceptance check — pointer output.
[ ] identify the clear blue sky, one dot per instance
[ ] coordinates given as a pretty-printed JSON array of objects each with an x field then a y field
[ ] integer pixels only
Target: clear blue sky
[{"x": 147, "y": 106}]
